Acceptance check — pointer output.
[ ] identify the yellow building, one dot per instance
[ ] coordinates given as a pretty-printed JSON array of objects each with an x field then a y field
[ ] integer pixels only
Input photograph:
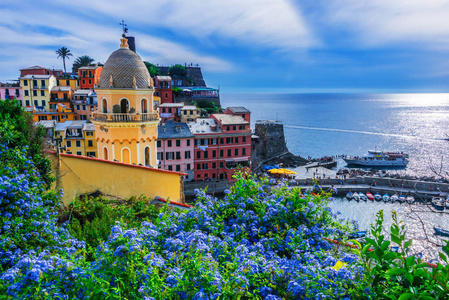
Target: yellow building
[
  {"x": 125, "y": 121},
  {"x": 72, "y": 82},
  {"x": 90, "y": 142},
  {"x": 37, "y": 90},
  {"x": 61, "y": 113}
]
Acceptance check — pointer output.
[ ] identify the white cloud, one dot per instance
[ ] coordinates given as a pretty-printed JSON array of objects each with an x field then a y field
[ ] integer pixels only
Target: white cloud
[{"x": 382, "y": 22}]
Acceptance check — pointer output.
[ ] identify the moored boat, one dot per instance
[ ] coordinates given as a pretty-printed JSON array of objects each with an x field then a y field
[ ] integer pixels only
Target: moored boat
[
  {"x": 441, "y": 231},
  {"x": 379, "y": 159},
  {"x": 356, "y": 197},
  {"x": 394, "y": 198},
  {"x": 357, "y": 234},
  {"x": 410, "y": 199},
  {"x": 386, "y": 197},
  {"x": 370, "y": 196},
  {"x": 363, "y": 196},
  {"x": 377, "y": 197},
  {"x": 438, "y": 203},
  {"x": 349, "y": 196},
  {"x": 401, "y": 198}
]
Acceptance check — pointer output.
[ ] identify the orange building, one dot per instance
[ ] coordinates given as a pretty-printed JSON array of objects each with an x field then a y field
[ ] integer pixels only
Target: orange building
[
  {"x": 89, "y": 76},
  {"x": 62, "y": 113},
  {"x": 60, "y": 95},
  {"x": 125, "y": 122}
]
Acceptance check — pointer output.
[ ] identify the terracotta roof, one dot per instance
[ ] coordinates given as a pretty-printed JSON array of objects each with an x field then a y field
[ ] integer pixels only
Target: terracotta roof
[{"x": 230, "y": 119}]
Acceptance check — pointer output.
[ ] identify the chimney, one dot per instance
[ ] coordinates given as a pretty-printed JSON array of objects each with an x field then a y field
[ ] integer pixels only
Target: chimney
[{"x": 132, "y": 43}]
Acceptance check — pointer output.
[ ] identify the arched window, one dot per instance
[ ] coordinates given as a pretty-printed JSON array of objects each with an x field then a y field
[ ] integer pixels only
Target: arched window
[
  {"x": 144, "y": 106},
  {"x": 126, "y": 156},
  {"x": 124, "y": 106},
  {"x": 147, "y": 156},
  {"x": 105, "y": 153},
  {"x": 105, "y": 105}
]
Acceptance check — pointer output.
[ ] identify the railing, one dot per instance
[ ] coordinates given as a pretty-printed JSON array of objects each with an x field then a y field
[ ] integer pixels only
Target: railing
[{"x": 111, "y": 117}]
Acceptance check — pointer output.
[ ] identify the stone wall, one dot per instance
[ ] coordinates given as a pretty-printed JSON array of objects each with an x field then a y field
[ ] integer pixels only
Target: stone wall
[
  {"x": 271, "y": 135},
  {"x": 191, "y": 100}
]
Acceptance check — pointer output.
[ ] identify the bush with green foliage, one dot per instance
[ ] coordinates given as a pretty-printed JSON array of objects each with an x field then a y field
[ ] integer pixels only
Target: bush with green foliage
[
  {"x": 178, "y": 70},
  {"x": 152, "y": 69}
]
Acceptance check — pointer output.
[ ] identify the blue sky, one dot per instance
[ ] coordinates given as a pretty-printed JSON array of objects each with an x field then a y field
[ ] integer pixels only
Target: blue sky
[{"x": 247, "y": 46}]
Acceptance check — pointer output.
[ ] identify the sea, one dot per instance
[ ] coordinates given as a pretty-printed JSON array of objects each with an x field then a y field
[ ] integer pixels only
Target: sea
[{"x": 323, "y": 124}]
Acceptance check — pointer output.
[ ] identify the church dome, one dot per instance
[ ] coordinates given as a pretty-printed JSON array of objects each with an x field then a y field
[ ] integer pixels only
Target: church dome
[{"x": 125, "y": 69}]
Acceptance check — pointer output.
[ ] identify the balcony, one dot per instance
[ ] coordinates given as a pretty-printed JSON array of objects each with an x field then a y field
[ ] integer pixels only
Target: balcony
[{"x": 111, "y": 117}]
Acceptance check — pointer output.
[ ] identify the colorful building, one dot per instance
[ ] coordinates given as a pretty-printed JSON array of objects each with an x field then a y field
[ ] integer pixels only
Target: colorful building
[
  {"x": 89, "y": 77},
  {"x": 125, "y": 123},
  {"x": 84, "y": 103},
  {"x": 170, "y": 111},
  {"x": 68, "y": 81},
  {"x": 60, "y": 95},
  {"x": 175, "y": 148},
  {"x": 163, "y": 89},
  {"x": 38, "y": 70},
  {"x": 189, "y": 113},
  {"x": 90, "y": 143},
  {"x": 61, "y": 113},
  {"x": 222, "y": 145},
  {"x": 11, "y": 91},
  {"x": 37, "y": 90}
]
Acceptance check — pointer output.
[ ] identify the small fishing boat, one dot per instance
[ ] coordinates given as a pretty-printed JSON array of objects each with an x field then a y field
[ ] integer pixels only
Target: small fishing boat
[
  {"x": 441, "y": 231},
  {"x": 356, "y": 197},
  {"x": 410, "y": 199},
  {"x": 401, "y": 198},
  {"x": 386, "y": 197},
  {"x": 357, "y": 234},
  {"x": 377, "y": 197},
  {"x": 438, "y": 203},
  {"x": 363, "y": 197},
  {"x": 370, "y": 196},
  {"x": 394, "y": 198},
  {"x": 349, "y": 196},
  {"x": 394, "y": 249}
]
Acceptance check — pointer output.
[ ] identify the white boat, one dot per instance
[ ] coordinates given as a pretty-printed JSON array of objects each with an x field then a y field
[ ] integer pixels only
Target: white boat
[
  {"x": 363, "y": 196},
  {"x": 410, "y": 199},
  {"x": 379, "y": 159},
  {"x": 349, "y": 196},
  {"x": 356, "y": 196},
  {"x": 401, "y": 198},
  {"x": 386, "y": 197},
  {"x": 377, "y": 197},
  {"x": 394, "y": 198}
]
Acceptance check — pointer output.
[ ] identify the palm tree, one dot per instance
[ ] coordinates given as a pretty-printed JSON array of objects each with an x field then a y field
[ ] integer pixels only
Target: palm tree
[
  {"x": 64, "y": 53},
  {"x": 82, "y": 61}
]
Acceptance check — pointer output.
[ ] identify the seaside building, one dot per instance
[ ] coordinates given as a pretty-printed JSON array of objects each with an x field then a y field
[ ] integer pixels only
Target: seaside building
[
  {"x": 125, "y": 123},
  {"x": 38, "y": 70},
  {"x": 163, "y": 89},
  {"x": 189, "y": 113},
  {"x": 84, "y": 103},
  {"x": 90, "y": 143},
  {"x": 170, "y": 111},
  {"x": 175, "y": 148},
  {"x": 89, "y": 77},
  {"x": 222, "y": 145},
  {"x": 11, "y": 91},
  {"x": 68, "y": 81},
  {"x": 37, "y": 90},
  {"x": 61, "y": 113},
  {"x": 60, "y": 95}
]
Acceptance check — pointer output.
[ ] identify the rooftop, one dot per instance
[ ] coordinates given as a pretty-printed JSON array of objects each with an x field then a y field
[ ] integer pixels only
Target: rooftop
[
  {"x": 76, "y": 125},
  {"x": 171, "y": 105},
  {"x": 239, "y": 110},
  {"x": 189, "y": 107},
  {"x": 61, "y": 89},
  {"x": 81, "y": 92},
  {"x": 163, "y": 78},
  {"x": 197, "y": 88},
  {"x": 62, "y": 126},
  {"x": 89, "y": 68},
  {"x": 173, "y": 130},
  {"x": 36, "y": 77},
  {"x": 47, "y": 124},
  {"x": 89, "y": 127},
  {"x": 226, "y": 119},
  {"x": 204, "y": 126}
]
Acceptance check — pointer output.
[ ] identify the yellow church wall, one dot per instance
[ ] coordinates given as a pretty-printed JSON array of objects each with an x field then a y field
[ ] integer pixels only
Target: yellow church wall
[
  {"x": 78, "y": 175},
  {"x": 114, "y": 96}
]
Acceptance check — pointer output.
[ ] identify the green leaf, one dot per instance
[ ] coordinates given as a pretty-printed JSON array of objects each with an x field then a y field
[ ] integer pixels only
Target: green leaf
[
  {"x": 443, "y": 257},
  {"x": 396, "y": 239},
  {"x": 409, "y": 277},
  {"x": 371, "y": 241},
  {"x": 406, "y": 296},
  {"x": 409, "y": 261},
  {"x": 385, "y": 245},
  {"x": 395, "y": 271},
  {"x": 408, "y": 243}
]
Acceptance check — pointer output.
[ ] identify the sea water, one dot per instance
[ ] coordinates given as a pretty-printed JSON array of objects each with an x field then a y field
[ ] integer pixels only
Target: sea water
[{"x": 332, "y": 124}]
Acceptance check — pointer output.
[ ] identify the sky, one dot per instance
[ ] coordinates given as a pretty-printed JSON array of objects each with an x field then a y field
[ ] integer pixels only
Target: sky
[{"x": 246, "y": 46}]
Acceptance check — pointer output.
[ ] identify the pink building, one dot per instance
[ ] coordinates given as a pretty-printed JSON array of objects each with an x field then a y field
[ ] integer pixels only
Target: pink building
[
  {"x": 175, "y": 148},
  {"x": 11, "y": 91},
  {"x": 38, "y": 70}
]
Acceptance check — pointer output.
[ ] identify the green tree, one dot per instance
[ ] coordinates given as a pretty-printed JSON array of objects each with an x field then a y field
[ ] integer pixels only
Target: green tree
[
  {"x": 82, "y": 61},
  {"x": 152, "y": 69},
  {"x": 179, "y": 70},
  {"x": 18, "y": 131},
  {"x": 64, "y": 53}
]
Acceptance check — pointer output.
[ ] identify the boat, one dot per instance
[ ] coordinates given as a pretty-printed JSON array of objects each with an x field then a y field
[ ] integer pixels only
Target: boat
[
  {"x": 394, "y": 248},
  {"x": 386, "y": 197},
  {"x": 357, "y": 234},
  {"x": 438, "y": 203},
  {"x": 410, "y": 199},
  {"x": 394, "y": 198},
  {"x": 376, "y": 158},
  {"x": 401, "y": 198},
  {"x": 441, "y": 231},
  {"x": 370, "y": 196},
  {"x": 356, "y": 197},
  {"x": 377, "y": 197},
  {"x": 349, "y": 196},
  {"x": 363, "y": 196}
]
